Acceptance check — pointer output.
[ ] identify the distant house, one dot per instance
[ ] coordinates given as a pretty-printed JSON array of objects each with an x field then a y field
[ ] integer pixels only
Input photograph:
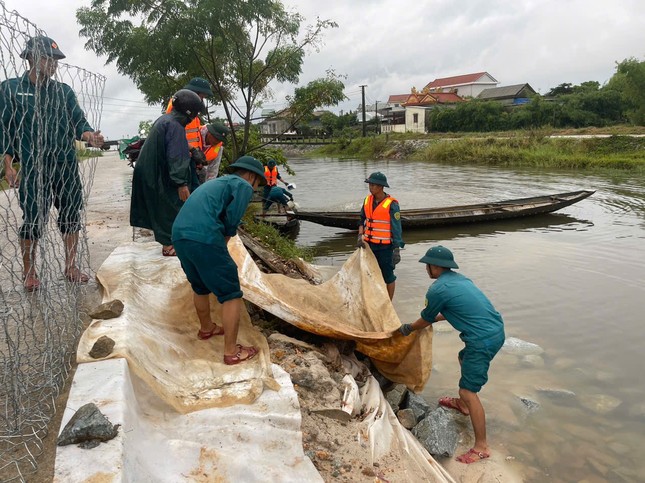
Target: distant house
[
  {"x": 467, "y": 85},
  {"x": 275, "y": 122},
  {"x": 407, "y": 112},
  {"x": 393, "y": 113},
  {"x": 282, "y": 122},
  {"x": 514, "y": 95},
  {"x": 419, "y": 103}
]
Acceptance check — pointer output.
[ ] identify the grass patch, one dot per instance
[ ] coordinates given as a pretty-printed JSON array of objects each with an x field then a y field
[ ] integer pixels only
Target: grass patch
[
  {"x": 271, "y": 237},
  {"x": 616, "y": 152},
  {"x": 512, "y": 148}
]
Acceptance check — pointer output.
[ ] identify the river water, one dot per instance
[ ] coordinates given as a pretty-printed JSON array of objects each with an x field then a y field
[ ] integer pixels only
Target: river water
[{"x": 571, "y": 282}]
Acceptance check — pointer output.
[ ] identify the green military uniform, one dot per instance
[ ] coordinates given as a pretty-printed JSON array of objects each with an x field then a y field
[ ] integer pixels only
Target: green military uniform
[
  {"x": 162, "y": 168},
  {"x": 39, "y": 124},
  {"x": 210, "y": 215}
]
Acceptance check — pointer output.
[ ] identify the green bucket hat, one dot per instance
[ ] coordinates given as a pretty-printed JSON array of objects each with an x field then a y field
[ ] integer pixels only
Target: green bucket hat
[
  {"x": 378, "y": 178},
  {"x": 42, "y": 46},
  {"x": 218, "y": 131},
  {"x": 439, "y": 256},
  {"x": 271, "y": 163},
  {"x": 251, "y": 164},
  {"x": 200, "y": 86}
]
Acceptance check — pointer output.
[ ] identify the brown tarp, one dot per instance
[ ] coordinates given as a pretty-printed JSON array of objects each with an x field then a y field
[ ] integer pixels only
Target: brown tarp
[
  {"x": 157, "y": 334},
  {"x": 352, "y": 305}
]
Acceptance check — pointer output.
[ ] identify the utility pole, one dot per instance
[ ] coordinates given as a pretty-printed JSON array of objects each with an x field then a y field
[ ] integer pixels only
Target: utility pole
[
  {"x": 378, "y": 124},
  {"x": 363, "y": 95}
]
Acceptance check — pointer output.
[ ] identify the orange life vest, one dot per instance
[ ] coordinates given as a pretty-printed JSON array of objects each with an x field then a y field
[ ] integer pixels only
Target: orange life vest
[
  {"x": 193, "y": 134},
  {"x": 271, "y": 175},
  {"x": 377, "y": 228},
  {"x": 211, "y": 152}
]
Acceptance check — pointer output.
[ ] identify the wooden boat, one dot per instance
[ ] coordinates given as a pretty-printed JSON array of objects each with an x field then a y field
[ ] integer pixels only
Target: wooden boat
[{"x": 430, "y": 217}]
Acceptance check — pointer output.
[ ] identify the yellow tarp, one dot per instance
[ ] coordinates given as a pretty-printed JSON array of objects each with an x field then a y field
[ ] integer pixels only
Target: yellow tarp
[
  {"x": 353, "y": 304},
  {"x": 157, "y": 332}
]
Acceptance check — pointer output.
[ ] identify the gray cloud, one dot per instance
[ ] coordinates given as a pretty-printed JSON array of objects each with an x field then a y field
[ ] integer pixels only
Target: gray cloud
[{"x": 392, "y": 45}]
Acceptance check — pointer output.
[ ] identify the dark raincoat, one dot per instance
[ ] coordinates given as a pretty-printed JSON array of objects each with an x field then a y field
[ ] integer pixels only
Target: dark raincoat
[{"x": 163, "y": 166}]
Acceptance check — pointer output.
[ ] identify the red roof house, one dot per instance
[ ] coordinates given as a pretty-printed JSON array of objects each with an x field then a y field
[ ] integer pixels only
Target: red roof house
[{"x": 467, "y": 85}]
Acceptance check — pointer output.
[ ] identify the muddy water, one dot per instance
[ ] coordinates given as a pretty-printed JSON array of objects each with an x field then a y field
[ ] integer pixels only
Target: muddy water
[{"x": 572, "y": 282}]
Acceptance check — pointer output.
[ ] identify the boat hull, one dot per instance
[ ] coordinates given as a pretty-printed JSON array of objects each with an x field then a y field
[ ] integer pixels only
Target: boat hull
[{"x": 453, "y": 215}]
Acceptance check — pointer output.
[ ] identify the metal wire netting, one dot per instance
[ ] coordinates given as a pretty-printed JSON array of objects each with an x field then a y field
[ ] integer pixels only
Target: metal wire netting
[{"x": 40, "y": 329}]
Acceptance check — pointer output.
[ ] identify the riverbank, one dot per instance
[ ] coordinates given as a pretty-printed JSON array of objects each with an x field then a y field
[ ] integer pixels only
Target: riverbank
[
  {"x": 332, "y": 445},
  {"x": 581, "y": 149}
]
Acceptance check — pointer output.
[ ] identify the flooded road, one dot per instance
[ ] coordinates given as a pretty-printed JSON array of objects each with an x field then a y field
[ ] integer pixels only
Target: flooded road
[{"x": 572, "y": 282}]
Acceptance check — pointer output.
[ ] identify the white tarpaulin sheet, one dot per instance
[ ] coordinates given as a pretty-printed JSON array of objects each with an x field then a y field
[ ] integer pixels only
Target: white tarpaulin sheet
[{"x": 255, "y": 442}]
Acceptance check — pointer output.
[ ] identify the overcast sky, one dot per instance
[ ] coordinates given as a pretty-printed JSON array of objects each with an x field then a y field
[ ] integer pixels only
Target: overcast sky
[{"x": 393, "y": 45}]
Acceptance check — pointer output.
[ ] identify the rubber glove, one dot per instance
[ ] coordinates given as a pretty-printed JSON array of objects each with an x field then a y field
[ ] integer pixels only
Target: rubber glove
[
  {"x": 396, "y": 256},
  {"x": 359, "y": 242},
  {"x": 406, "y": 329}
]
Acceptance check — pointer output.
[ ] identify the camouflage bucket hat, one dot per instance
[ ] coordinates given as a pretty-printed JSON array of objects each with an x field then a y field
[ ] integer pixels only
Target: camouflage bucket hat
[
  {"x": 42, "y": 46},
  {"x": 378, "y": 178},
  {"x": 200, "y": 86}
]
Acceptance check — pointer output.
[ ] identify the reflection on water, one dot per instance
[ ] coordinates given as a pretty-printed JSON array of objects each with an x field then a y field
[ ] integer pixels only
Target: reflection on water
[{"x": 572, "y": 282}]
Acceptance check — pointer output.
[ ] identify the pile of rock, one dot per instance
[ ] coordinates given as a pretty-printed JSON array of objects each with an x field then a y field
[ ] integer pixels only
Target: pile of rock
[{"x": 435, "y": 427}]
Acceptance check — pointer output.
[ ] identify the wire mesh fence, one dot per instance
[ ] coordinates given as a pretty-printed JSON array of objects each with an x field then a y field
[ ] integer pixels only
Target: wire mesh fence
[{"x": 45, "y": 106}]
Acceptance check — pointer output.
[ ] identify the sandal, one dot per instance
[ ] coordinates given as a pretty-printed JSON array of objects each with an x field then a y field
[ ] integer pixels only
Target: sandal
[
  {"x": 30, "y": 282},
  {"x": 472, "y": 456},
  {"x": 237, "y": 358},
  {"x": 74, "y": 275},
  {"x": 451, "y": 403},
  {"x": 168, "y": 251},
  {"x": 217, "y": 330}
]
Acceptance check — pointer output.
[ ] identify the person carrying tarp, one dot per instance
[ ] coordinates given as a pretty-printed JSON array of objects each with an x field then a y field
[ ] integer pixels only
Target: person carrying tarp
[
  {"x": 456, "y": 299},
  {"x": 380, "y": 227},
  {"x": 162, "y": 173},
  {"x": 200, "y": 236},
  {"x": 40, "y": 119}
]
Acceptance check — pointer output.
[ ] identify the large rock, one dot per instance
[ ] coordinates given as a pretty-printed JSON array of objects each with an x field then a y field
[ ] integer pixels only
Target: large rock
[
  {"x": 418, "y": 405},
  {"x": 600, "y": 403},
  {"x": 438, "y": 433},
  {"x": 557, "y": 394},
  {"x": 533, "y": 361},
  {"x": 315, "y": 377},
  {"x": 89, "y": 427},
  {"x": 102, "y": 347},
  {"x": 406, "y": 418},
  {"x": 108, "y": 310},
  {"x": 396, "y": 396},
  {"x": 519, "y": 347}
]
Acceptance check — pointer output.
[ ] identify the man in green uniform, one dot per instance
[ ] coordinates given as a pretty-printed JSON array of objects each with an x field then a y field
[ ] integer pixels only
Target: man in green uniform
[
  {"x": 380, "y": 227},
  {"x": 162, "y": 173},
  {"x": 200, "y": 234},
  {"x": 40, "y": 121},
  {"x": 456, "y": 299}
]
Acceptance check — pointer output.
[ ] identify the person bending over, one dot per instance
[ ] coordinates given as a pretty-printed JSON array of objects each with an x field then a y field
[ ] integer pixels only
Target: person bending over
[
  {"x": 200, "y": 235},
  {"x": 456, "y": 299}
]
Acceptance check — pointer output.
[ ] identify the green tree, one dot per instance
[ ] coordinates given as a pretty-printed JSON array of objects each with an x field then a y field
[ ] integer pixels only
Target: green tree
[
  {"x": 562, "y": 89},
  {"x": 144, "y": 128},
  {"x": 239, "y": 46},
  {"x": 630, "y": 80}
]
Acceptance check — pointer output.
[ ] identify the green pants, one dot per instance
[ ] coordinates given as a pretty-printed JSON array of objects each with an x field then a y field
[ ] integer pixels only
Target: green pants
[{"x": 58, "y": 184}]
